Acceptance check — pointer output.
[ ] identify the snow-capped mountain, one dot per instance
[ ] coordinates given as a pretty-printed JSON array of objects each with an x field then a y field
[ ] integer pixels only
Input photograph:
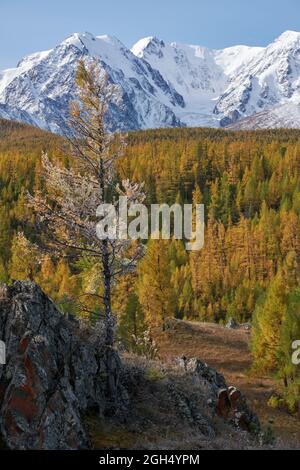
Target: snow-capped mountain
[
  {"x": 270, "y": 79},
  {"x": 162, "y": 85},
  {"x": 39, "y": 90},
  {"x": 284, "y": 116},
  {"x": 199, "y": 74}
]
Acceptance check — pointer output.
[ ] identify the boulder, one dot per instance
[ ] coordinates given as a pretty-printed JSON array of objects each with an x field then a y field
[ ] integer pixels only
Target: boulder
[
  {"x": 232, "y": 324},
  {"x": 54, "y": 373}
]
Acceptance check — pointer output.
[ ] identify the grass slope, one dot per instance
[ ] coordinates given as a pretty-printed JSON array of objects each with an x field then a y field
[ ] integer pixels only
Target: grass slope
[{"x": 228, "y": 351}]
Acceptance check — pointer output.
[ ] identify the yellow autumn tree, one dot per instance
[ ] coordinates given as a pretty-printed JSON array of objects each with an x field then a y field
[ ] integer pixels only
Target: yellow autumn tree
[
  {"x": 24, "y": 260},
  {"x": 155, "y": 291}
]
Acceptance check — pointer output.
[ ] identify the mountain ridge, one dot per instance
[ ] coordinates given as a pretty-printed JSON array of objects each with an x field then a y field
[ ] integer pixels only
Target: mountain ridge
[{"x": 160, "y": 84}]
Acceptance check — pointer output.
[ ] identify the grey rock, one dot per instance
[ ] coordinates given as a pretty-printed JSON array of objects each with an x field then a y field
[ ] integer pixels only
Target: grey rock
[
  {"x": 189, "y": 412},
  {"x": 232, "y": 324},
  {"x": 54, "y": 373},
  {"x": 203, "y": 372}
]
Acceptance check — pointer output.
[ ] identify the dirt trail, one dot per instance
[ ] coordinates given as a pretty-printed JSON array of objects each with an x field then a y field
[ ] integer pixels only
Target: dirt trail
[{"x": 228, "y": 352}]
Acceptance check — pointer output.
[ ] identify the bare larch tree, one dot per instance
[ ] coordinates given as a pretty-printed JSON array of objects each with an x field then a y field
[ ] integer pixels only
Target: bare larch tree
[{"x": 67, "y": 212}]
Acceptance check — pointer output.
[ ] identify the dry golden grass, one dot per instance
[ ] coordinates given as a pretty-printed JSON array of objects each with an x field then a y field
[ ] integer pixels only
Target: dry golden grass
[
  {"x": 228, "y": 352},
  {"x": 153, "y": 420}
]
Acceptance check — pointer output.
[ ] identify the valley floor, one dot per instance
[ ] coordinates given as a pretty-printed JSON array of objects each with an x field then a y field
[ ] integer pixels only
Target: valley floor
[{"x": 228, "y": 352}]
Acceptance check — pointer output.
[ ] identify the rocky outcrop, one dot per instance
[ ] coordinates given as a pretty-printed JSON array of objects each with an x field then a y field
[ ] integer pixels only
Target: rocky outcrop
[
  {"x": 54, "y": 373},
  {"x": 203, "y": 372},
  {"x": 228, "y": 402}
]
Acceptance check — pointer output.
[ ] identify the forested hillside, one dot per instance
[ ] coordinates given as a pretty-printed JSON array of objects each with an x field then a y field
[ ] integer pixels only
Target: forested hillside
[{"x": 248, "y": 269}]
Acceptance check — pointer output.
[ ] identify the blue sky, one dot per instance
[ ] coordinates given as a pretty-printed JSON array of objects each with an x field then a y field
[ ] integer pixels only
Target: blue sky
[{"x": 30, "y": 25}]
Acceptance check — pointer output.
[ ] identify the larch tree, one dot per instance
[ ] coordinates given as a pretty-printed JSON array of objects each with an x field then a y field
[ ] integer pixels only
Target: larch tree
[
  {"x": 131, "y": 321},
  {"x": 290, "y": 334},
  {"x": 68, "y": 211},
  {"x": 155, "y": 290},
  {"x": 25, "y": 258},
  {"x": 268, "y": 318},
  {"x": 276, "y": 326}
]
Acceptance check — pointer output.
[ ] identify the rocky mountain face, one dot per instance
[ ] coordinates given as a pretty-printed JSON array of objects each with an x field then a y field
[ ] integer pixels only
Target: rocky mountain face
[
  {"x": 57, "y": 372},
  {"x": 160, "y": 85}
]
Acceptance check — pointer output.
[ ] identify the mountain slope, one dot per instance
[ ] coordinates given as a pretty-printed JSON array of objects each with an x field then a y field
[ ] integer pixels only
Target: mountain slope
[
  {"x": 160, "y": 85},
  {"x": 199, "y": 74},
  {"x": 270, "y": 79},
  {"x": 227, "y": 350},
  {"x": 42, "y": 85},
  {"x": 285, "y": 116}
]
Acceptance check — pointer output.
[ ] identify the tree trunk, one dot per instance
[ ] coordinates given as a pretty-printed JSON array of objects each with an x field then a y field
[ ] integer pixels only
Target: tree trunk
[
  {"x": 112, "y": 380},
  {"x": 107, "y": 295}
]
